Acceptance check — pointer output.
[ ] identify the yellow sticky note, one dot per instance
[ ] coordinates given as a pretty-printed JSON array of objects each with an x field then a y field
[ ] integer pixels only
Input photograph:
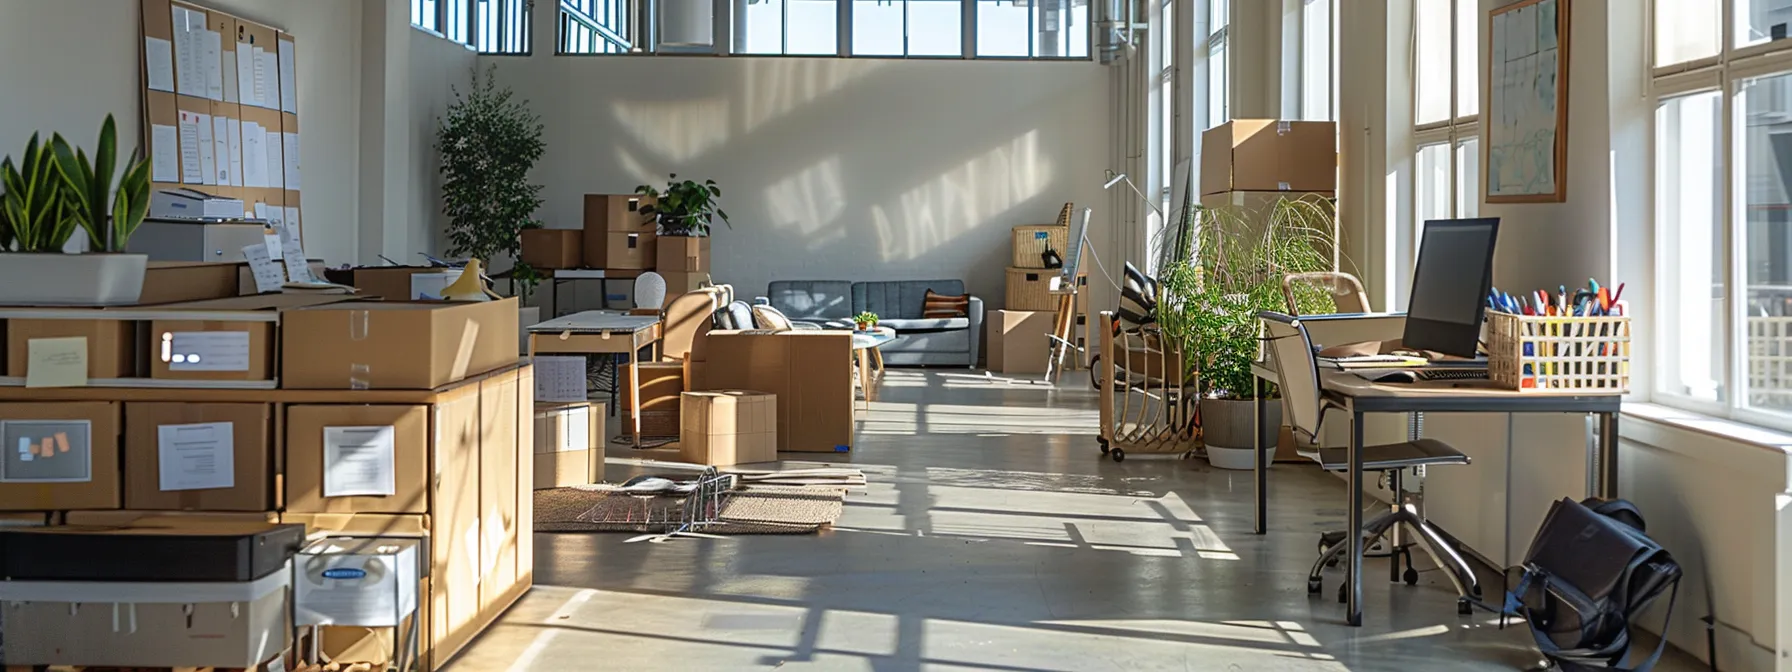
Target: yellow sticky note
[{"x": 57, "y": 362}]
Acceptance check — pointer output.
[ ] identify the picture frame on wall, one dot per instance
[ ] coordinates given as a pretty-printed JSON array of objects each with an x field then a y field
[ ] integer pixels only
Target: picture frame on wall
[{"x": 1526, "y": 118}]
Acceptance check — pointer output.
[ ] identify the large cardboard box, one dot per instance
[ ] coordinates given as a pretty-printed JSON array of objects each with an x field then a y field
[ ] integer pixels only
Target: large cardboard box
[
  {"x": 81, "y": 472},
  {"x": 160, "y": 470},
  {"x": 362, "y": 461},
  {"x": 111, "y": 353},
  {"x": 619, "y": 250},
  {"x": 1269, "y": 155},
  {"x": 810, "y": 373},
  {"x": 727, "y": 427},
  {"x": 396, "y": 345},
  {"x": 392, "y": 283},
  {"x": 229, "y": 350},
  {"x": 569, "y": 444},
  {"x": 179, "y": 281},
  {"x": 616, "y": 212},
  {"x": 680, "y": 283},
  {"x": 554, "y": 248},
  {"x": 241, "y": 624},
  {"x": 1031, "y": 289},
  {"x": 661, "y": 383},
  {"x": 1017, "y": 340},
  {"x": 683, "y": 254}
]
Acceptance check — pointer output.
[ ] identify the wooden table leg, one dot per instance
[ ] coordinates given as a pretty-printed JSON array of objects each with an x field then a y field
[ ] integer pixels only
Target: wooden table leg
[
  {"x": 864, "y": 375},
  {"x": 634, "y": 385}
]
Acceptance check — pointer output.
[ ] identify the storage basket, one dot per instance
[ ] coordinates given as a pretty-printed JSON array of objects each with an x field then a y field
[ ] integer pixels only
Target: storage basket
[
  {"x": 1031, "y": 241},
  {"x": 1031, "y": 289},
  {"x": 1550, "y": 354}
]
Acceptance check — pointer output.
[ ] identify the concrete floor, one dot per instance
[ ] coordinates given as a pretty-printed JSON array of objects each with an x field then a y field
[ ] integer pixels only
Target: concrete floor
[{"x": 994, "y": 537}]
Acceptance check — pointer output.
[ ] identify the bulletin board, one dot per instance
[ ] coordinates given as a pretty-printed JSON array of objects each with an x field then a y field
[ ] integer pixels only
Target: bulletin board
[
  {"x": 220, "y": 107},
  {"x": 1526, "y": 159}
]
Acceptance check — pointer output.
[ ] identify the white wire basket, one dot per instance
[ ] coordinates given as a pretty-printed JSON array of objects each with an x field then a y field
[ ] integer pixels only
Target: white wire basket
[{"x": 1531, "y": 353}]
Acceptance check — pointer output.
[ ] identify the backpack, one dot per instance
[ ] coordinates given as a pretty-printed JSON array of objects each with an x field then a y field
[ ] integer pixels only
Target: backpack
[{"x": 1590, "y": 571}]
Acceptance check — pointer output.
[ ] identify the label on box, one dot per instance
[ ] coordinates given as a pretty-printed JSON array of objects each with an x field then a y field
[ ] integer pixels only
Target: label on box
[
  {"x": 577, "y": 436},
  {"x": 559, "y": 378},
  {"x": 360, "y": 461},
  {"x": 46, "y": 451},
  {"x": 196, "y": 457},
  {"x": 206, "y": 350},
  {"x": 347, "y": 589}
]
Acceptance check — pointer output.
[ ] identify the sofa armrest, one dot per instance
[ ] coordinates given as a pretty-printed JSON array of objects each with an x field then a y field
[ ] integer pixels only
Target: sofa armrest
[{"x": 975, "y": 312}]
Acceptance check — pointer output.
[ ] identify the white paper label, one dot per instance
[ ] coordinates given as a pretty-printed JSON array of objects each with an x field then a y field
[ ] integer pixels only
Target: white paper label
[
  {"x": 207, "y": 350},
  {"x": 360, "y": 461},
  {"x": 164, "y": 151},
  {"x": 160, "y": 54},
  {"x": 228, "y": 71},
  {"x": 270, "y": 236},
  {"x": 291, "y": 143},
  {"x": 245, "y": 74},
  {"x": 221, "y": 150},
  {"x": 255, "y": 156},
  {"x": 264, "y": 96},
  {"x": 196, "y": 457},
  {"x": 276, "y": 161},
  {"x": 578, "y": 429},
  {"x": 192, "y": 170},
  {"x": 559, "y": 378},
  {"x": 186, "y": 52},
  {"x": 268, "y": 275},
  {"x": 208, "y": 166},
  {"x": 212, "y": 46},
  {"x": 289, "y": 84},
  {"x": 293, "y": 253},
  {"x": 236, "y": 151}
]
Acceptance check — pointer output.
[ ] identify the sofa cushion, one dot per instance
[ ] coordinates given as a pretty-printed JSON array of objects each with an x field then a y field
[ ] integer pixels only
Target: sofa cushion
[
  {"x": 899, "y": 299},
  {"x": 956, "y": 340},
  {"x": 905, "y": 325},
  {"x": 812, "y": 300}
]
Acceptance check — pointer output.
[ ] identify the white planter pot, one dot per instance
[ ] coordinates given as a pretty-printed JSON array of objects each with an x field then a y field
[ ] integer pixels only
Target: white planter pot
[
  {"x": 1226, "y": 429},
  {"x": 51, "y": 279},
  {"x": 526, "y": 316}
]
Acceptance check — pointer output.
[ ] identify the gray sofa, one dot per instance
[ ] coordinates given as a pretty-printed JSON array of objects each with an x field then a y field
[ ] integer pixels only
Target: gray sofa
[{"x": 919, "y": 340}]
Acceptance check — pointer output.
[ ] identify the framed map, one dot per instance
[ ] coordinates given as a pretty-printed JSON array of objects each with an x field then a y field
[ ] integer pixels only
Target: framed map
[{"x": 1527, "y": 103}]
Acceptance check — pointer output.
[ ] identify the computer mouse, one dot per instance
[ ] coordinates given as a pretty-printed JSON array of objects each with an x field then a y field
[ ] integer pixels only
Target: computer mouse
[{"x": 1398, "y": 377}]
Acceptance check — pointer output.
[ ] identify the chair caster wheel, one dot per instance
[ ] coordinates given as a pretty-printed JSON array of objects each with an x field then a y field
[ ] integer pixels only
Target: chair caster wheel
[
  {"x": 1118, "y": 454},
  {"x": 1476, "y": 590},
  {"x": 1411, "y": 576},
  {"x": 1314, "y": 586},
  {"x": 1104, "y": 445},
  {"x": 1343, "y": 590},
  {"x": 1464, "y": 607}
]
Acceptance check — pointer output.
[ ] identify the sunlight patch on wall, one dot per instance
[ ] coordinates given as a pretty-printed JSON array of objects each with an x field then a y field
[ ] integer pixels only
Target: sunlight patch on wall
[
  {"x": 776, "y": 87},
  {"x": 679, "y": 130},
  {"x": 809, "y": 201},
  {"x": 961, "y": 199}
]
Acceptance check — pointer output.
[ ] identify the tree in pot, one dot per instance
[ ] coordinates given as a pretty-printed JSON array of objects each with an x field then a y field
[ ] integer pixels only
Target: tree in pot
[
  {"x": 489, "y": 141},
  {"x": 54, "y": 189}
]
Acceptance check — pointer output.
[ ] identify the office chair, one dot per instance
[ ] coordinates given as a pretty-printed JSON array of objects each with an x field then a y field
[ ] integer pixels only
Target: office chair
[
  {"x": 1304, "y": 406},
  {"x": 1345, "y": 289},
  {"x": 650, "y": 291}
]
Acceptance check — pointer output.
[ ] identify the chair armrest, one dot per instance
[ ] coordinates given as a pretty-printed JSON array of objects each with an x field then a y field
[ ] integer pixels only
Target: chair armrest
[
  {"x": 974, "y": 311},
  {"x": 806, "y": 326}
]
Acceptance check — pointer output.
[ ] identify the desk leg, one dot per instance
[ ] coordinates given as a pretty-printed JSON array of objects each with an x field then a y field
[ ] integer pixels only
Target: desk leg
[
  {"x": 864, "y": 361},
  {"x": 1608, "y": 456},
  {"x": 634, "y": 386},
  {"x": 1261, "y": 469},
  {"x": 1353, "y": 525}
]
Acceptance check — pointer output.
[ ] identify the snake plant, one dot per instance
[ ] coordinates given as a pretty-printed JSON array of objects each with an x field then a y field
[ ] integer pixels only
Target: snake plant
[
  {"x": 109, "y": 221},
  {"x": 36, "y": 206}
]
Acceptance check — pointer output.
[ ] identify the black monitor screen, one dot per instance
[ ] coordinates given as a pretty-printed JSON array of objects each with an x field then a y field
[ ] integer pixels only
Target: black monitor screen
[{"x": 1450, "y": 284}]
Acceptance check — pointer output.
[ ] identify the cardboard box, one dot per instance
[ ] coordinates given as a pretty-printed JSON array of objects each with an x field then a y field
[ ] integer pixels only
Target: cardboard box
[
  {"x": 1269, "y": 155},
  {"x": 661, "y": 383},
  {"x": 1018, "y": 340},
  {"x": 616, "y": 213},
  {"x": 359, "y": 524},
  {"x": 680, "y": 283},
  {"x": 1031, "y": 289},
  {"x": 810, "y": 373},
  {"x": 554, "y": 248},
  {"x": 85, "y": 476},
  {"x": 568, "y": 444},
  {"x": 396, "y": 345},
  {"x": 727, "y": 427},
  {"x": 392, "y": 283},
  {"x": 430, "y": 286},
  {"x": 111, "y": 352},
  {"x": 684, "y": 254},
  {"x": 166, "y": 341},
  {"x": 253, "y": 454},
  {"x": 618, "y": 250},
  {"x": 168, "y": 518},
  {"x": 180, "y": 281},
  {"x": 168, "y": 627},
  {"x": 305, "y": 461}
]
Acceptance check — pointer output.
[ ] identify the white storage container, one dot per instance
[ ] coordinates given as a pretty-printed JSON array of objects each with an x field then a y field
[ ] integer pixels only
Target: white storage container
[{"x": 360, "y": 581}]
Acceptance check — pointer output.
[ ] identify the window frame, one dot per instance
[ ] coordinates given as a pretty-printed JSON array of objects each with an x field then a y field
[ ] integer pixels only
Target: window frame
[{"x": 1454, "y": 131}]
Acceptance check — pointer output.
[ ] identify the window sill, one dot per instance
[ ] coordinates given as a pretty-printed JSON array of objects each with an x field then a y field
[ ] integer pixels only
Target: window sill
[{"x": 1656, "y": 417}]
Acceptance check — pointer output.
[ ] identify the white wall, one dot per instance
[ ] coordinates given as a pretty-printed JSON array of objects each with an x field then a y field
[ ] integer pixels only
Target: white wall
[
  {"x": 438, "y": 68},
  {"x": 830, "y": 168}
]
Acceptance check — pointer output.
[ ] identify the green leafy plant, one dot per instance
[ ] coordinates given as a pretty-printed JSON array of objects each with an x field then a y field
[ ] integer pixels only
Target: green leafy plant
[
  {"x": 108, "y": 219},
  {"x": 36, "y": 206},
  {"x": 685, "y": 209},
  {"x": 489, "y": 141},
  {"x": 527, "y": 278},
  {"x": 867, "y": 318}
]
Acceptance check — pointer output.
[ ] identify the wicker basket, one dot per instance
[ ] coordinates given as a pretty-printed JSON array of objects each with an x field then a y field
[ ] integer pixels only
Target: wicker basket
[
  {"x": 1550, "y": 354},
  {"x": 1031, "y": 289},
  {"x": 1031, "y": 241}
]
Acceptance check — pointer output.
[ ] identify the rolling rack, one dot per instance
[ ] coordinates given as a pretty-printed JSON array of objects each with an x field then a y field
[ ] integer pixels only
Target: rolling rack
[{"x": 1147, "y": 404}]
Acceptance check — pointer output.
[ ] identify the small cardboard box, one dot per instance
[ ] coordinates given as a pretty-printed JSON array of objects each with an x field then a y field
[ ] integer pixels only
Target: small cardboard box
[
  {"x": 554, "y": 248},
  {"x": 82, "y": 470},
  {"x": 1017, "y": 340},
  {"x": 661, "y": 383},
  {"x": 227, "y": 350},
  {"x": 111, "y": 353},
  {"x": 726, "y": 427},
  {"x": 385, "y": 345},
  {"x": 616, "y": 213},
  {"x": 181, "y": 281},
  {"x": 1031, "y": 289},
  {"x": 569, "y": 444},
  {"x": 1269, "y": 155},
  {"x": 152, "y": 463},
  {"x": 619, "y": 250},
  {"x": 684, "y": 254},
  {"x": 309, "y": 476},
  {"x": 810, "y": 373}
]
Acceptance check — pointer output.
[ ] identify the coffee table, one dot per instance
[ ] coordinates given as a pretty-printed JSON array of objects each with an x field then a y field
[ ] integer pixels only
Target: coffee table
[{"x": 865, "y": 348}]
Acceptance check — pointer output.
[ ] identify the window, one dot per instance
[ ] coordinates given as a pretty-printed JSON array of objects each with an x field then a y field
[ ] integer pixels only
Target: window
[
  {"x": 1689, "y": 214},
  {"x": 907, "y": 28},
  {"x": 501, "y": 26},
  {"x": 427, "y": 14},
  {"x": 1165, "y": 32},
  {"x": 1761, "y": 21},
  {"x": 1446, "y": 125},
  {"x": 1310, "y": 52},
  {"x": 794, "y": 27},
  {"x": 1218, "y": 76},
  {"x": 604, "y": 26}
]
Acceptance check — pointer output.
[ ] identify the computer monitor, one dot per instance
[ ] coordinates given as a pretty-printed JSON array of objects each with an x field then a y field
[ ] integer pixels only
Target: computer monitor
[{"x": 1450, "y": 284}]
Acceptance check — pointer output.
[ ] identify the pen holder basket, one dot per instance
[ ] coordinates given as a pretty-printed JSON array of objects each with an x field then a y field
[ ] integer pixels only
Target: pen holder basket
[{"x": 1546, "y": 354}]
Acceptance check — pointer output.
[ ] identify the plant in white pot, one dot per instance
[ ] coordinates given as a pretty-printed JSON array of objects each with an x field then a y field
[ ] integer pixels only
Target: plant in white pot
[{"x": 50, "y": 191}]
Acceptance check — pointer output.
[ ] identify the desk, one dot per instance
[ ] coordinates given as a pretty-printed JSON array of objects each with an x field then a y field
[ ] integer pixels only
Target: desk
[
  {"x": 599, "y": 332},
  {"x": 1359, "y": 397}
]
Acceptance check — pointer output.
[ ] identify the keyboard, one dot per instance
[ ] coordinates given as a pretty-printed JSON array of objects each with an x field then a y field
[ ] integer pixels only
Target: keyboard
[
  {"x": 1372, "y": 361},
  {"x": 1452, "y": 374}
]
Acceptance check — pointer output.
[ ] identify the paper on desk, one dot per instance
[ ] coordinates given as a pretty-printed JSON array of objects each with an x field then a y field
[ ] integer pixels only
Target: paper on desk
[
  {"x": 268, "y": 275},
  {"x": 360, "y": 461},
  {"x": 293, "y": 252},
  {"x": 160, "y": 55},
  {"x": 56, "y": 362},
  {"x": 208, "y": 351},
  {"x": 196, "y": 457},
  {"x": 559, "y": 378}
]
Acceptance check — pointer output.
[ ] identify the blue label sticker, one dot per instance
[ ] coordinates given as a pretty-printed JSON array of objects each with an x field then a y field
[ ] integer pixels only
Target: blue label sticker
[
  {"x": 344, "y": 573},
  {"x": 842, "y": 449},
  {"x": 1039, "y": 235}
]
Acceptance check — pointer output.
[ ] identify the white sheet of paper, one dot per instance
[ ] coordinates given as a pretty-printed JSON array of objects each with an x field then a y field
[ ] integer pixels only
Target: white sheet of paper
[
  {"x": 221, "y": 151},
  {"x": 192, "y": 170},
  {"x": 190, "y": 81},
  {"x": 289, "y": 80},
  {"x": 264, "y": 93},
  {"x": 270, "y": 236},
  {"x": 208, "y": 165},
  {"x": 276, "y": 160},
  {"x": 164, "y": 153},
  {"x": 208, "y": 351},
  {"x": 211, "y": 51},
  {"x": 578, "y": 429},
  {"x": 159, "y": 54},
  {"x": 360, "y": 461},
  {"x": 293, "y": 252},
  {"x": 56, "y": 362},
  {"x": 291, "y": 142},
  {"x": 268, "y": 275},
  {"x": 245, "y": 74},
  {"x": 292, "y": 219},
  {"x": 235, "y": 129},
  {"x": 276, "y": 217},
  {"x": 255, "y": 156},
  {"x": 196, "y": 457},
  {"x": 559, "y": 378},
  {"x": 227, "y": 70}
]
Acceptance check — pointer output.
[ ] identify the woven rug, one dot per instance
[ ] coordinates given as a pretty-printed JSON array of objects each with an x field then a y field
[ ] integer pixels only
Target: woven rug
[{"x": 750, "y": 509}]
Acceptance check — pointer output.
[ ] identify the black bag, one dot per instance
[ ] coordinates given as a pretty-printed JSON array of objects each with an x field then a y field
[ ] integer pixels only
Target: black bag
[{"x": 1589, "y": 573}]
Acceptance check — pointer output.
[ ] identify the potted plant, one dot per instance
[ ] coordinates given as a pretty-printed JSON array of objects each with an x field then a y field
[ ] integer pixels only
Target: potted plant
[
  {"x": 1212, "y": 298},
  {"x": 865, "y": 321},
  {"x": 489, "y": 141},
  {"x": 50, "y": 191},
  {"x": 684, "y": 212}
]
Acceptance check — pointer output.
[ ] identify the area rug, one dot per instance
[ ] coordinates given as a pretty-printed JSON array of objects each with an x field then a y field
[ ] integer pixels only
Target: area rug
[{"x": 748, "y": 509}]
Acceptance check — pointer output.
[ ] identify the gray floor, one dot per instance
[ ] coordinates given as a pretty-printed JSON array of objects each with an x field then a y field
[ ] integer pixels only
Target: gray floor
[{"x": 993, "y": 538}]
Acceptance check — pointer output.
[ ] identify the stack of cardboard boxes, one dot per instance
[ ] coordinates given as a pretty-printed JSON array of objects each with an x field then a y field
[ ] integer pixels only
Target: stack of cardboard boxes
[
  {"x": 569, "y": 444},
  {"x": 1017, "y": 336},
  {"x": 1252, "y": 162},
  {"x": 617, "y": 234}
]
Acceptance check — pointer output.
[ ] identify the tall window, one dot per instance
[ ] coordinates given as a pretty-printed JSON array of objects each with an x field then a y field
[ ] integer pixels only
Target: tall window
[
  {"x": 1309, "y": 58},
  {"x": 490, "y": 26},
  {"x": 604, "y": 26},
  {"x": 427, "y": 14},
  {"x": 1165, "y": 30},
  {"x": 1723, "y": 207},
  {"x": 1446, "y": 123},
  {"x": 1219, "y": 17}
]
